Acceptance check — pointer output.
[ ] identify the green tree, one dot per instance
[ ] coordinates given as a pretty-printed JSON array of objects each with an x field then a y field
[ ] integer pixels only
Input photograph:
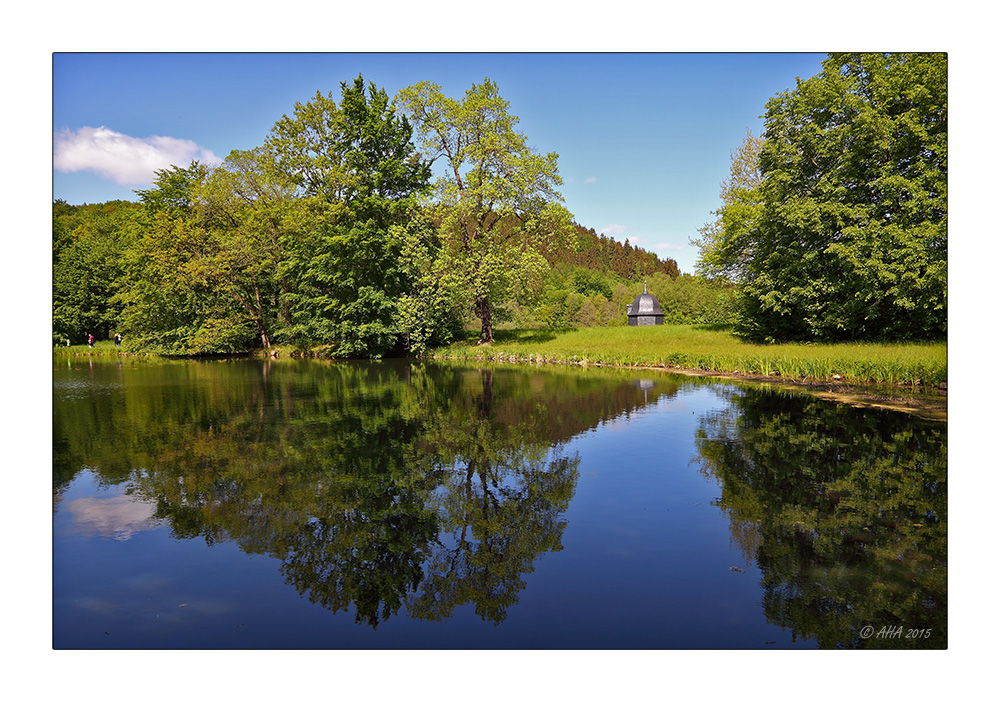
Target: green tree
[
  {"x": 308, "y": 147},
  {"x": 165, "y": 305},
  {"x": 65, "y": 218},
  {"x": 499, "y": 202},
  {"x": 587, "y": 315},
  {"x": 90, "y": 269},
  {"x": 367, "y": 280},
  {"x": 248, "y": 210},
  {"x": 851, "y": 237},
  {"x": 313, "y": 237}
]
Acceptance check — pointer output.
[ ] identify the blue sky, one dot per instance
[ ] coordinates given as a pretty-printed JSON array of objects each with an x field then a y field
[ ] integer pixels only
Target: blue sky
[{"x": 644, "y": 139}]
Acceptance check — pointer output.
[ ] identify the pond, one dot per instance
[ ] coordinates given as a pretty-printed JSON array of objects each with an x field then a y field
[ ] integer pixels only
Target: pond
[{"x": 295, "y": 504}]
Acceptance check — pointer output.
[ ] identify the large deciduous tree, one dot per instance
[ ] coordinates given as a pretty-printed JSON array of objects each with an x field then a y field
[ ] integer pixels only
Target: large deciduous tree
[
  {"x": 498, "y": 198},
  {"x": 250, "y": 214},
  {"x": 848, "y": 233},
  {"x": 169, "y": 304},
  {"x": 205, "y": 260},
  {"x": 366, "y": 284}
]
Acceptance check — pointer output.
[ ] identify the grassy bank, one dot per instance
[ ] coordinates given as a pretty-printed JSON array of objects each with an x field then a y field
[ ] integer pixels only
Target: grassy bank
[
  {"x": 100, "y": 348},
  {"x": 694, "y": 347},
  {"x": 707, "y": 348}
]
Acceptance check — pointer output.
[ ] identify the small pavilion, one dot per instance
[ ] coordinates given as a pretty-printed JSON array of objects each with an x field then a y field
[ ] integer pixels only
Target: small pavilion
[{"x": 644, "y": 310}]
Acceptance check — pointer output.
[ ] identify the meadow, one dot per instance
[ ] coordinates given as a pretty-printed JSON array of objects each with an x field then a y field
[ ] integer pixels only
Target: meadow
[{"x": 713, "y": 348}]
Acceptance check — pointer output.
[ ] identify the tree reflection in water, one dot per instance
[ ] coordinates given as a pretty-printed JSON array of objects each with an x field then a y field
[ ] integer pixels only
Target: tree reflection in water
[
  {"x": 378, "y": 486},
  {"x": 844, "y": 511}
]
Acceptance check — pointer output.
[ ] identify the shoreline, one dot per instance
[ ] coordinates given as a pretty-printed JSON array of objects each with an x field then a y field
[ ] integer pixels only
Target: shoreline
[{"x": 926, "y": 403}]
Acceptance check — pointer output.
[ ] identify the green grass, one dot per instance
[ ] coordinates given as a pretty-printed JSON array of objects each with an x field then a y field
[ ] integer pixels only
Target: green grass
[
  {"x": 714, "y": 348},
  {"x": 695, "y": 347},
  {"x": 101, "y": 348}
]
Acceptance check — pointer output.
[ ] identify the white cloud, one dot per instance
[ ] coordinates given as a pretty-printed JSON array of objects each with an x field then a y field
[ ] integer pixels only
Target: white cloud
[
  {"x": 621, "y": 232},
  {"x": 124, "y": 159},
  {"x": 118, "y": 517},
  {"x": 591, "y": 179},
  {"x": 616, "y": 231}
]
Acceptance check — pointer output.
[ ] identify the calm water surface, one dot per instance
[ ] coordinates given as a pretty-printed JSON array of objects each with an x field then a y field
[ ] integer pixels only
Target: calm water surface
[{"x": 302, "y": 504}]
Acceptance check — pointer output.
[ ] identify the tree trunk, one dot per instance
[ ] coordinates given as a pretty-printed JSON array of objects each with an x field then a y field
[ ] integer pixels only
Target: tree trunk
[
  {"x": 486, "y": 401},
  {"x": 286, "y": 311},
  {"x": 485, "y": 313},
  {"x": 259, "y": 314}
]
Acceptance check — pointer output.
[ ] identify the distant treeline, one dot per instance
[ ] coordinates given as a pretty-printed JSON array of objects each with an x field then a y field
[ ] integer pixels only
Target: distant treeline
[
  {"x": 600, "y": 253},
  {"x": 586, "y": 284}
]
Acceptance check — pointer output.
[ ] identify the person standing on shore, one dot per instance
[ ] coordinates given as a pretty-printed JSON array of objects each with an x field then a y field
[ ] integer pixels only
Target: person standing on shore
[{"x": 90, "y": 340}]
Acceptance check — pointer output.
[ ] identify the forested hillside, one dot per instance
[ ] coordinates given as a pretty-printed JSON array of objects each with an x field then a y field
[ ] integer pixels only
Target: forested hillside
[{"x": 600, "y": 253}]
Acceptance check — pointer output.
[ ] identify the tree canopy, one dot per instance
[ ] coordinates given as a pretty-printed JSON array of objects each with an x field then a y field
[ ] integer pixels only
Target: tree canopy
[
  {"x": 498, "y": 201},
  {"x": 358, "y": 269},
  {"x": 844, "y": 235}
]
